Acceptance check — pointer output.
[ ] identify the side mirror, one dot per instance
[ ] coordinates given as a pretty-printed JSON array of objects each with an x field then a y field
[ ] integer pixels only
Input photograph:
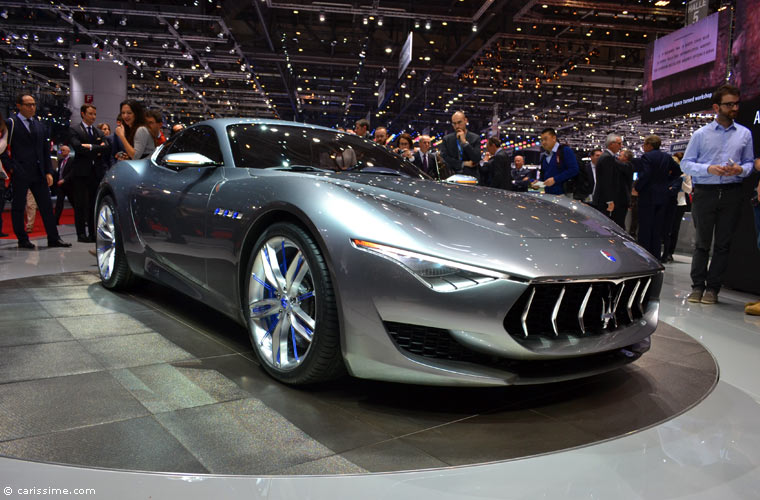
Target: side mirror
[
  {"x": 462, "y": 179},
  {"x": 179, "y": 161}
]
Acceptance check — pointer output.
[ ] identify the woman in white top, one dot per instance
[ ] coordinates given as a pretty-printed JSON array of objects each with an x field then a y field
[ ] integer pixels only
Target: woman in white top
[{"x": 134, "y": 136}]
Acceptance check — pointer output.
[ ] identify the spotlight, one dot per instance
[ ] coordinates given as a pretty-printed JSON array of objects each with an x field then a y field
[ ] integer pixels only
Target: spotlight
[
  {"x": 365, "y": 21},
  {"x": 474, "y": 26},
  {"x": 176, "y": 24},
  {"x": 380, "y": 21},
  {"x": 428, "y": 25},
  {"x": 321, "y": 16},
  {"x": 4, "y": 14},
  {"x": 100, "y": 20},
  {"x": 416, "y": 23},
  {"x": 123, "y": 21}
]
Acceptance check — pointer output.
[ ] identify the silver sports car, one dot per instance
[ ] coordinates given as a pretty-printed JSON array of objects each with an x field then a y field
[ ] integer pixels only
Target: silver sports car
[{"x": 340, "y": 256}]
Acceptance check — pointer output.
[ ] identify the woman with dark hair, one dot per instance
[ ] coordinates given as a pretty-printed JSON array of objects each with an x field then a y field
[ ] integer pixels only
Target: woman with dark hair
[
  {"x": 405, "y": 148},
  {"x": 135, "y": 138}
]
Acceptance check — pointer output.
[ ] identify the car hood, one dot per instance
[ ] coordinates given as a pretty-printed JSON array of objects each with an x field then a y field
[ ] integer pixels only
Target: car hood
[{"x": 510, "y": 213}]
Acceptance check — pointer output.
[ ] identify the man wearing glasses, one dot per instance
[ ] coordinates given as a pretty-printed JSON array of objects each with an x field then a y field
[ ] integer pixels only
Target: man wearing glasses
[
  {"x": 718, "y": 157},
  {"x": 29, "y": 159}
]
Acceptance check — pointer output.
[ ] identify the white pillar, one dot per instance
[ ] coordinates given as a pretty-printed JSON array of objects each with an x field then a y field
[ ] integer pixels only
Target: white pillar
[{"x": 105, "y": 81}]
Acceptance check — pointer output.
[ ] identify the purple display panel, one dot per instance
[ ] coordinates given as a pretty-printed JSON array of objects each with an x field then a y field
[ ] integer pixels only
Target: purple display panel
[{"x": 688, "y": 90}]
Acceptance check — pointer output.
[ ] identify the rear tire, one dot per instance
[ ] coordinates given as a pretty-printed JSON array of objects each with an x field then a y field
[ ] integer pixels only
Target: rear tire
[
  {"x": 112, "y": 262},
  {"x": 290, "y": 308}
]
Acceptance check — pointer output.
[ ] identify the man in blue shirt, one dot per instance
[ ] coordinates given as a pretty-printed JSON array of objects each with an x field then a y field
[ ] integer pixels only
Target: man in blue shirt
[
  {"x": 718, "y": 157},
  {"x": 558, "y": 162}
]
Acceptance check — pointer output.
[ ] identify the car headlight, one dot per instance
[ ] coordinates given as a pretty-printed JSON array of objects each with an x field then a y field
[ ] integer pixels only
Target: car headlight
[{"x": 439, "y": 274}]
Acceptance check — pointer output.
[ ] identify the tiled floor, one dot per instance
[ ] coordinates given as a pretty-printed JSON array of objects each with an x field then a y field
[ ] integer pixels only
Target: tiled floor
[
  {"x": 710, "y": 451},
  {"x": 148, "y": 366}
]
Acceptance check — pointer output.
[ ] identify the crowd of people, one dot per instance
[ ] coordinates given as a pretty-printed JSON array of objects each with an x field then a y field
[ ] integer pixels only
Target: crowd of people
[
  {"x": 31, "y": 177},
  {"x": 652, "y": 191}
]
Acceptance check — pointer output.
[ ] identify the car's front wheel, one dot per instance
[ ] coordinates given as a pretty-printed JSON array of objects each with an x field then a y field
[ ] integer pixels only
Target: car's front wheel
[
  {"x": 112, "y": 262},
  {"x": 291, "y": 310}
]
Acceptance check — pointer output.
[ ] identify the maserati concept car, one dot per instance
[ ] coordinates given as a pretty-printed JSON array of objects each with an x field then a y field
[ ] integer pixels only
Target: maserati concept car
[{"x": 340, "y": 256}]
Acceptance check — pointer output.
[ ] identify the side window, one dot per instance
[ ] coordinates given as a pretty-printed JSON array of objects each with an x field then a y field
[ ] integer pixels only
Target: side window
[{"x": 201, "y": 139}]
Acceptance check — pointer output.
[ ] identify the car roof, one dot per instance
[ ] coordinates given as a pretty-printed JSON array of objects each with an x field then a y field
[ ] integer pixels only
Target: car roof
[{"x": 225, "y": 122}]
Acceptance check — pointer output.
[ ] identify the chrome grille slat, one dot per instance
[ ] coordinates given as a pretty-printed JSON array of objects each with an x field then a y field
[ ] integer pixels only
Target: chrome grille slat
[
  {"x": 567, "y": 309},
  {"x": 582, "y": 310},
  {"x": 526, "y": 311},
  {"x": 620, "y": 288},
  {"x": 632, "y": 299},
  {"x": 643, "y": 294},
  {"x": 555, "y": 311}
]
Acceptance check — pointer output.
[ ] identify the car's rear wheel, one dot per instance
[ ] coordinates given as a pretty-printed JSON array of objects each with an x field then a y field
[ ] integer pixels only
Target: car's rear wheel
[
  {"x": 291, "y": 310},
  {"x": 112, "y": 262}
]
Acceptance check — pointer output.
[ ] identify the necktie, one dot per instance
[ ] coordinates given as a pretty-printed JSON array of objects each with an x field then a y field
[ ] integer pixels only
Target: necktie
[
  {"x": 89, "y": 131},
  {"x": 424, "y": 161}
]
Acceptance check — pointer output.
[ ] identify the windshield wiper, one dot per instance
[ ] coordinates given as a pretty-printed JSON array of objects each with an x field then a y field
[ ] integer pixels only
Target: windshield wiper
[{"x": 301, "y": 168}]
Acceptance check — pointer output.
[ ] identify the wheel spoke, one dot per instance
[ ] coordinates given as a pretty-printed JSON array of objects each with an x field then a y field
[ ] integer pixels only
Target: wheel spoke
[
  {"x": 305, "y": 332},
  {"x": 295, "y": 266},
  {"x": 271, "y": 267},
  {"x": 266, "y": 307},
  {"x": 295, "y": 286},
  {"x": 280, "y": 342},
  {"x": 305, "y": 318}
]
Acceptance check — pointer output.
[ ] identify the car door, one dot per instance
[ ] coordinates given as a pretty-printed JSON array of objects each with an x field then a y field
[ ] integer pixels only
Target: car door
[{"x": 170, "y": 207}]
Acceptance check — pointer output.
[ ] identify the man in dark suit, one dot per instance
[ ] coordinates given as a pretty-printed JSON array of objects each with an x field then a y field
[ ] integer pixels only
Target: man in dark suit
[
  {"x": 584, "y": 183},
  {"x": 496, "y": 171},
  {"x": 429, "y": 161},
  {"x": 461, "y": 149},
  {"x": 89, "y": 148},
  {"x": 32, "y": 170},
  {"x": 606, "y": 193},
  {"x": 657, "y": 172}
]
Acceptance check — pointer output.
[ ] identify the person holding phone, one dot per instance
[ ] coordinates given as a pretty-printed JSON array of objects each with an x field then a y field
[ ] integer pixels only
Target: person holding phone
[
  {"x": 133, "y": 134},
  {"x": 719, "y": 156}
]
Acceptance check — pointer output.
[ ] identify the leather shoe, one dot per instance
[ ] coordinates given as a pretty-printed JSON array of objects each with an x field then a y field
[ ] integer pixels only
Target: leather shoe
[
  {"x": 85, "y": 239},
  {"x": 58, "y": 243},
  {"x": 753, "y": 309},
  {"x": 27, "y": 244}
]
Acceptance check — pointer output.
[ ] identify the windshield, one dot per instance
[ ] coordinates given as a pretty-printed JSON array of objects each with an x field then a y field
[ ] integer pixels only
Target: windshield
[{"x": 287, "y": 146}]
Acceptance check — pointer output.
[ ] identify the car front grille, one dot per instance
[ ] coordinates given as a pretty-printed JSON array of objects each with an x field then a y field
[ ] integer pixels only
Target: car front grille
[{"x": 578, "y": 308}]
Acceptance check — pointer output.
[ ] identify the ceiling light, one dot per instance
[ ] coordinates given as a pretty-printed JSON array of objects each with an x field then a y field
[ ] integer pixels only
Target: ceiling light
[
  {"x": 388, "y": 50},
  {"x": 321, "y": 17},
  {"x": 365, "y": 21},
  {"x": 474, "y": 26},
  {"x": 428, "y": 25},
  {"x": 380, "y": 21},
  {"x": 416, "y": 23}
]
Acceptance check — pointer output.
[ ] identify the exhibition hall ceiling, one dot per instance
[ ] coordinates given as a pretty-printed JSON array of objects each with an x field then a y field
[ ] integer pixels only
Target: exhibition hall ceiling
[{"x": 532, "y": 63}]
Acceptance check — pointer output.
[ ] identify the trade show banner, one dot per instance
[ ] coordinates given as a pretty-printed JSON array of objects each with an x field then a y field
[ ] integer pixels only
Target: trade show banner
[{"x": 683, "y": 68}]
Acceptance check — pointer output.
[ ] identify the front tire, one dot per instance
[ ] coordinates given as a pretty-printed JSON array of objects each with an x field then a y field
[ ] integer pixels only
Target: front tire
[
  {"x": 290, "y": 308},
  {"x": 112, "y": 262}
]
